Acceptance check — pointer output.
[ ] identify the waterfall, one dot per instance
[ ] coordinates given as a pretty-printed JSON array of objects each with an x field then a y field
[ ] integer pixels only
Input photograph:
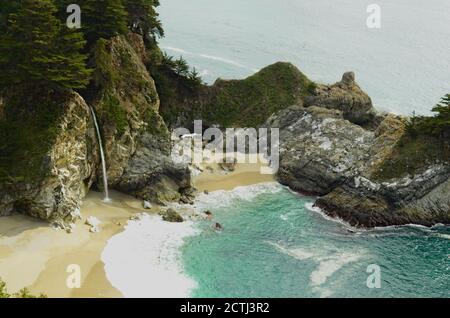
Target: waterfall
[{"x": 102, "y": 155}]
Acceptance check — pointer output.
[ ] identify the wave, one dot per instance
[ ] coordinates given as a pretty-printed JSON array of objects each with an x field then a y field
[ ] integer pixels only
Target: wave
[
  {"x": 144, "y": 260},
  {"x": 175, "y": 49},
  {"x": 223, "y": 60},
  {"x": 327, "y": 265},
  {"x": 224, "y": 198},
  {"x": 310, "y": 206}
]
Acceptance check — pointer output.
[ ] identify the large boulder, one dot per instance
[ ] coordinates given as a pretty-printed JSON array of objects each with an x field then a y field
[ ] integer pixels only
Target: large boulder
[
  {"x": 319, "y": 149},
  {"x": 49, "y": 153}
]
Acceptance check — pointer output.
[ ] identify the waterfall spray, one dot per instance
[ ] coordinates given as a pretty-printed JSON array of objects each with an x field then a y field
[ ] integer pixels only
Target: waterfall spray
[{"x": 102, "y": 155}]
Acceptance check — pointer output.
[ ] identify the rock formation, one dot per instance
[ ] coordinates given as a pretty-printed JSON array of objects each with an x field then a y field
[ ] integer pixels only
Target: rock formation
[{"x": 336, "y": 146}]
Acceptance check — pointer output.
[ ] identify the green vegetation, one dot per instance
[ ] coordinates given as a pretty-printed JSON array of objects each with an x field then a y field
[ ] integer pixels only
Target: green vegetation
[
  {"x": 143, "y": 19},
  {"x": 103, "y": 19},
  {"x": 424, "y": 143},
  {"x": 36, "y": 47},
  {"x": 175, "y": 84},
  {"x": 412, "y": 155},
  {"x": 28, "y": 128},
  {"x": 114, "y": 114},
  {"x": 251, "y": 101},
  {"x": 23, "y": 293},
  {"x": 438, "y": 125}
]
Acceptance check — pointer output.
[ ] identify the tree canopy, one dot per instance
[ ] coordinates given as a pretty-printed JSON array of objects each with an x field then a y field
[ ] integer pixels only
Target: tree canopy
[{"x": 37, "y": 47}]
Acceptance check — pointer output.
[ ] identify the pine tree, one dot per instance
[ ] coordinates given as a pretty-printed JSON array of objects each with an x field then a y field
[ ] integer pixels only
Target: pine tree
[
  {"x": 443, "y": 107},
  {"x": 143, "y": 19},
  {"x": 36, "y": 47},
  {"x": 102, "y": 19}
]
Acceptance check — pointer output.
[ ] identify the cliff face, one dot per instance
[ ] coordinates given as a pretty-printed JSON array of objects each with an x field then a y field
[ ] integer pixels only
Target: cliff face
[
  {"x": 339, "y": 148},
  {"x": 49, "y": 153},
  {"x": 50, "y": 157},
  {"x": 137, "y": 140}
]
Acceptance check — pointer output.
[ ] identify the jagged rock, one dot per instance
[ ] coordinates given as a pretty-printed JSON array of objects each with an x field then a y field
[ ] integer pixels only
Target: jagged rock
[
  {"x": 50, "y": 158},
  {"x": 345, "y": 96},
  {"x": 137, "y": 140},
  {"x": 321, "y": 153},
  {"x": 318, "y": 148},
  {"x": 170, "y": 215}
]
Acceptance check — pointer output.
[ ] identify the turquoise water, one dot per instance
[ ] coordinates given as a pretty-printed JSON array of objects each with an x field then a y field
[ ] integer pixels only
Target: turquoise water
[
  {"x": 404, "y": 66},
  {"x": 273, "y": 246}
]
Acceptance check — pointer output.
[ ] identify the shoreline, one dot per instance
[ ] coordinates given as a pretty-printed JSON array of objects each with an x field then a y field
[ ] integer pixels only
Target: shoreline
[{"x": 35, "y": 255}]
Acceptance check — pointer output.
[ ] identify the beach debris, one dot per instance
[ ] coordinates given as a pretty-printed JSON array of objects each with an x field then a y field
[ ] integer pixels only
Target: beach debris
[
  {"x": 147, "y": 205},
  {"x": 94, "y": 224},
  {"x": 206, "y": 192},
  {"x": 170, "y": 215}
]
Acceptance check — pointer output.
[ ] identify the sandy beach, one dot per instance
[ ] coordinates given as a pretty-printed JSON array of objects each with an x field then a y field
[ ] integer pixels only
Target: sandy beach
[{"x": 35, "y": 255}]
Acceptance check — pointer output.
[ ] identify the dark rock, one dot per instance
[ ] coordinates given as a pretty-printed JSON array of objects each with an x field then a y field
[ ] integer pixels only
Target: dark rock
[
  {"x": 218, "y": 226},
  {"x": 172, "y": 216}
]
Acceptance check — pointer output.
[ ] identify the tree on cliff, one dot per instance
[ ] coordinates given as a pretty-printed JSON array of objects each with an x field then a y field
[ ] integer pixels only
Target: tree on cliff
[
  {"x": 438, "y": 125},
  {"x": 36, "y": 47},
  {"x": 143, "y": 19},
  {"x": 102, "y": 19}
]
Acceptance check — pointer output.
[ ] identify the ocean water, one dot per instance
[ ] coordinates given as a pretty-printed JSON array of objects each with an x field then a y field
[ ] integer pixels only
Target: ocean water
[
  {"x": 404, "y": 66},
  {"x": 274, "y": 244}
]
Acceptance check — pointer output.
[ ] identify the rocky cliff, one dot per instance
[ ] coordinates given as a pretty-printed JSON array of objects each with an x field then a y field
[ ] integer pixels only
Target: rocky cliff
[
  {"x": 49, "y": 152},
  {"x": 336, "y": 146},
  {"x": 136, "y": 137}
]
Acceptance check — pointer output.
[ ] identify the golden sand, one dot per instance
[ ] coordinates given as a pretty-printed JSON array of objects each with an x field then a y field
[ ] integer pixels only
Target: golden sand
[{"x": 37, "y": 256}]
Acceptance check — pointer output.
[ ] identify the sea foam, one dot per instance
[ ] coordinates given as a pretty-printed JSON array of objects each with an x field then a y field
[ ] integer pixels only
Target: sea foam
[{"x": 145, "y": 259}]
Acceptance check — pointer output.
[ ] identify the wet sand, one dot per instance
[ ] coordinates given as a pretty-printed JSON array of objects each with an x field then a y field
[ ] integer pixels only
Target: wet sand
[{"x": 35, "y": 255}]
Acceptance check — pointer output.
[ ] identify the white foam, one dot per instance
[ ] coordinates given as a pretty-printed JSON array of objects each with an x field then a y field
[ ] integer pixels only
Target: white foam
[
  {"x": 310, "y": 206},
  {"x": 444, "y": 236},
  {"x": 327, "y": 265},
  {"x": 222, "y": 198},
  {"x": 144, "y": 260}
]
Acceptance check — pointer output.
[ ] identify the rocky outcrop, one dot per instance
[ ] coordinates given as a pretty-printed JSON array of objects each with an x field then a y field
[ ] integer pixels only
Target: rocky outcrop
[
  {"x": 325, "y": 151},
  {"x": 319, "y": 149},
  {"x": 137, "y": 140},
  {"x": 346, "y": 96},
  {"x": 50, "y": 158},
  {"x": 49, "y": 152},
  {"x": 237, "y": 103}
]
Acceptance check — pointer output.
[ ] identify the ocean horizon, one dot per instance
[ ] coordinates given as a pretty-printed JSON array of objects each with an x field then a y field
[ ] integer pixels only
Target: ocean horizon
[{"x": 404, "y": 66}]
